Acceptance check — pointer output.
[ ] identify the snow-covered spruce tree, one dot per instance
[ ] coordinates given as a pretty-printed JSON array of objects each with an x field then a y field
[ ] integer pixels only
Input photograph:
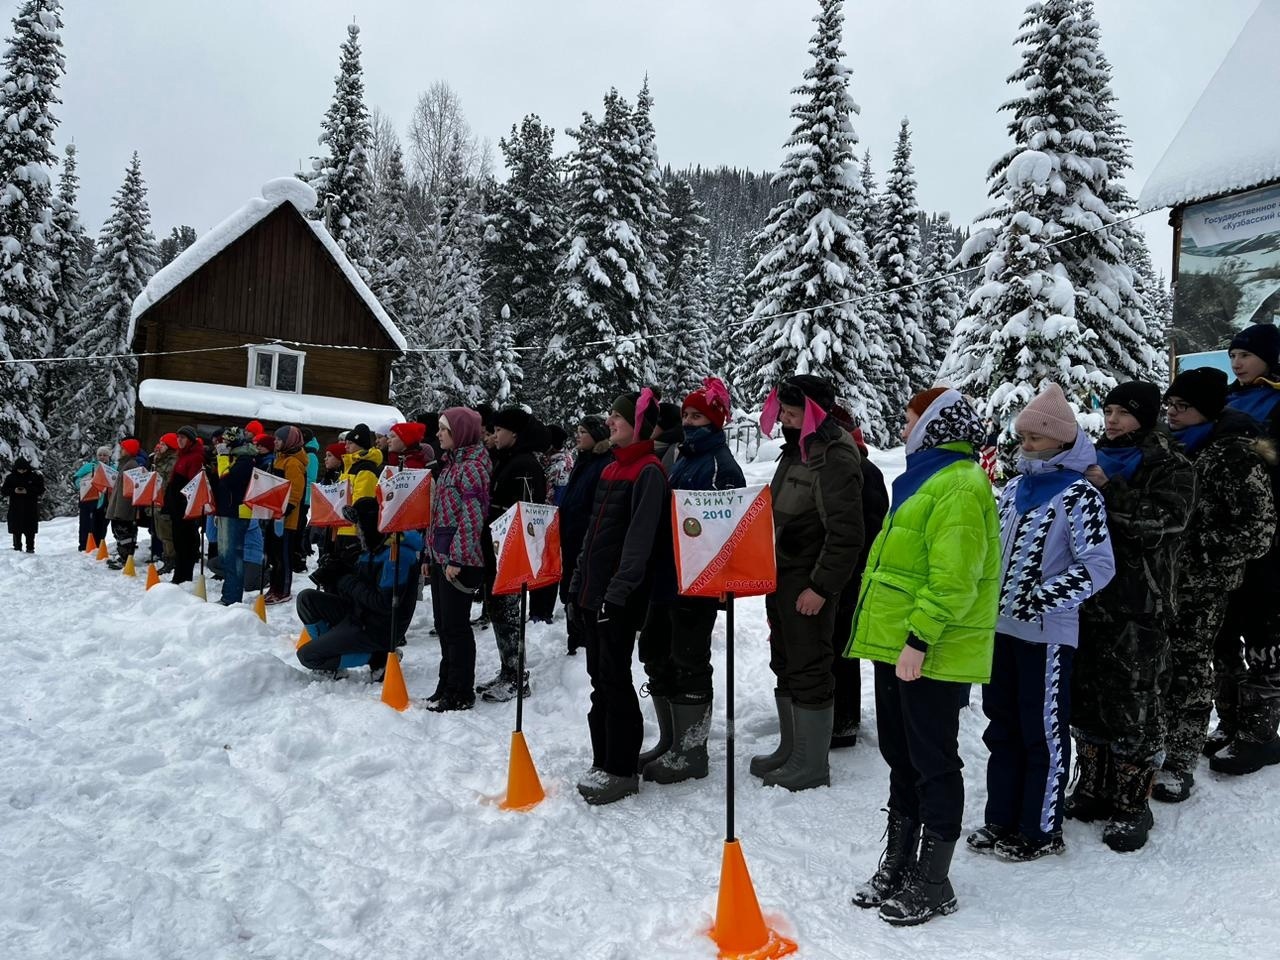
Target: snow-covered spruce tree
[
  {"x": 897, "y": 259},
  {"x": 683, "y": 350},
  {"x": 522, "y": 232},
  {"x": 103, "y": 404},
  {"x": 655, "y": 212},
  {"x": 33, "y": 66},
  {"x": 868, "y": 210},
  {"x": 731, "y": 318},
  {"x": 816, "y": 259},
  {"x": 608, "y": 287},
  {"x": 341, "y": 176},
  {"x": 1020, "y": 330},
  {"x": 392, "y": 242},
  {"x": 941, "y": 303},
  {"x": 66, "y": 238},
  {"x": 503, "y": 373}
]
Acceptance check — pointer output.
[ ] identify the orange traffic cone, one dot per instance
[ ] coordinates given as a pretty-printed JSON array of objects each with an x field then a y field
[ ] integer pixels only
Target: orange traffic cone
[
  {"x": 303, "y": 639},
  {"x": 740, "y": 930},
  {"x": 129, "y": 569},
  {"x": 524, "y": 789},
  {"x": 91, "y": 545},
  {"x": 102, "y": 551},
  {"x": 260, "y": 608},
  {"x": 394, "y": 694},
  {"x": 153, "y": 576}
]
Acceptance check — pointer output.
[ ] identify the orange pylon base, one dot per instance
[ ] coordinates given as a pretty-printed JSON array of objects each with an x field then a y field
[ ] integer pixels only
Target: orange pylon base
[
  {"x": 740, "y": 930},
  {"x": 153, "y": 576},
  {"x": 394, "y": 694},
  {"x": 260, "y": 608},
  {"x": 524, "y": 789},
  {"x": 102, "y": 551},
  {"x": 91, "y": 545},
  {"x": 129, "y": 569}
]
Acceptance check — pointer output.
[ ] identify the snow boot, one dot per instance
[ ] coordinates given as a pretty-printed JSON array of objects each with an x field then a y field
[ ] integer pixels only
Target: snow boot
[
  {"x": 1220, "y": 738},
  {"x": 662, "y": 710},
  {"x": 768, "y": 762},
  {"x": 1255, "y": 745},
  {"x": 507, "y": 690},
  {"x": 1172, "y": 785},
  {"x": 498, "y": 679},
  {"x": 115, "y": 563},
  {"x": 687, "y": 758},
  {"x": 985, "y": 838},
  {"x": 927, "y": 892},
  {"x": 607, "y": 787},
  {"x": 807, "y": 766},
  {"x": 1022, "y": 849},
  {"x": 899, "y": 857},
  {"x": 1131, "y": 820},
  {"x": 844, "y": 733},
  {"x": 1088, "y": 798}
]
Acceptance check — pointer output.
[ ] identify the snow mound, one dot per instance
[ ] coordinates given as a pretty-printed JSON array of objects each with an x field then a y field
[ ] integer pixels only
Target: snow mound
[
  {"x": 300, "y": 194},
  {"x": 1227, "y": 143}
]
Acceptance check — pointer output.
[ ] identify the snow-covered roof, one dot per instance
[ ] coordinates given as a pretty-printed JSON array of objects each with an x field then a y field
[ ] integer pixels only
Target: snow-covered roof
[
  {"x": 1231, "y": 141},
  {"x": 251, "y": 403},
  {"x": 274, "y": 193}
]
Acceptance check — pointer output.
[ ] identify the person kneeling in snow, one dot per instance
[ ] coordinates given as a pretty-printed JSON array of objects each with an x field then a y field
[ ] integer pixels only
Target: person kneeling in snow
[{"x": 349, "y": 622}]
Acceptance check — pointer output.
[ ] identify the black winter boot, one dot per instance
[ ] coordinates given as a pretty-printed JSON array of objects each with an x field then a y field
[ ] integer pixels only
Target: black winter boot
[
  {"x": 927, "y": 892},
  {"x": 662, "y": 710},
  {"x": 1226, "y": 701},
  {"x": 768, "y": 762},
  {"x": 807, "y": 766},
  {"x": 1087, "y": 800},
  {"x": 985, "y": 838},
  {"x": 1131, "y": 820},
  {"x": 902, "y": 837},
  {"x": 1256, "y": 744},
  {"x": 1172, "y": 785},
  {"x": 687, "y": 758}
]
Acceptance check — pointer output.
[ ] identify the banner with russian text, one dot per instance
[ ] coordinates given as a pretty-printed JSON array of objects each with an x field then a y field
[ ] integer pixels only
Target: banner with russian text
[
  {"x": 724, "y": 541},
  {"x": 526, "y": 545}
]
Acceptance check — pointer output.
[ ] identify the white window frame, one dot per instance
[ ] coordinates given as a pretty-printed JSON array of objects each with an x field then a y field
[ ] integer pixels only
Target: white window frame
[{"x": 275, "y": 352}]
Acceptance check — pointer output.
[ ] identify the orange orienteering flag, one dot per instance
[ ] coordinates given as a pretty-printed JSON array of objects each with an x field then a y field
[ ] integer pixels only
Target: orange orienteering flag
[
  {"x": 526, "y": 544},
  {"x": 131, "y": 479},
  {"x": 147, "y": 490},
  {"x": 404, "y": 500},
  {"x": 268, "y": 492},
  {"x": 87, "y": 490},
  {"x": 104, "y": 478},
  {"x": 724, "y": 542},
  {"x": 327, "y": 502},
  {"x": 199, "y": 497}
]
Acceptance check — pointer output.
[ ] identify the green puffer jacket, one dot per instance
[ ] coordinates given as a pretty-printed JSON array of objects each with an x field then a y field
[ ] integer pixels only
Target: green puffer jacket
[{"x": 934, "y": 571}]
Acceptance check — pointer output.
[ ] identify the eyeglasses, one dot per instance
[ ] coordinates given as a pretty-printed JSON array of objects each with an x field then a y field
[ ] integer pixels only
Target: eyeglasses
[{"x": 1176, "y": 406}]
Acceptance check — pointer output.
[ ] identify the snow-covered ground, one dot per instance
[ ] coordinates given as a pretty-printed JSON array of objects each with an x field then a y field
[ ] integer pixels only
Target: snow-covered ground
[{"x": 175, "y": 786}]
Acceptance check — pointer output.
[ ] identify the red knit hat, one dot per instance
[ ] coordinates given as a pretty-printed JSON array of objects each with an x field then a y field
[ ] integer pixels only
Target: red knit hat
[
  {"x": 253, "y": 428},
  {"x": 130, "y": 447},
  {"x": 170, "y": 440},
  {"x": 923, "y": 400},
  {"x": 411, "y": 434},
  {"x": 266, "y": 441},
  {"x": 336, "y": 450},
  {"x": 711, "y": 400}
]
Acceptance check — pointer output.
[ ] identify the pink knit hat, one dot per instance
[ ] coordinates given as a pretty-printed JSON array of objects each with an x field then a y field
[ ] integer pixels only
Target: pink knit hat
[{"x": 1049, "y": 415}]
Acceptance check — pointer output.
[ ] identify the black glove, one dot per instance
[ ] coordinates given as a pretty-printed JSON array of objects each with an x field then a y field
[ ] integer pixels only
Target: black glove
[{"x": 289, "y": 508}]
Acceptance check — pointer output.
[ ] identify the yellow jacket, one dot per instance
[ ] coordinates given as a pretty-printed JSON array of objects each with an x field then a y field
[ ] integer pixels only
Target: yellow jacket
[{"x": 362, "y": 470}]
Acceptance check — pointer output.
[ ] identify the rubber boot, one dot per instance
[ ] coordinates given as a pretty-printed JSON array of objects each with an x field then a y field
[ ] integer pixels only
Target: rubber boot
[
  {"x": 807, "y": 766},
  {"x": 687, "y": 758},
  {"x": 1131, "y": 820},
  {"x": 768, "y": 762},
  {"x": 1088, "y": 800},
  {"x": 927, "y": 892},
  {"x": 661, "y": 709},
  {"x": 1256, "y": 744},
  {"x": 902, "y": 837}
]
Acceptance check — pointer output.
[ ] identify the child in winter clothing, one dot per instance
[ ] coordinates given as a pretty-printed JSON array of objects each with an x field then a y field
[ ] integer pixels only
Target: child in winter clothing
[
  {"x": 291, "y": 463},
  {"x": 818, "y": 534},
  {"x": 1149, "y": 488},
  {"x": 120, "y": 509},
  {"x": 459, "y": 508},
  {"x": 610, "y": 591},
  {"x": 594, "y": 454},
  {"x": 927, "y": 616},
  {"x": 675, "y": 645},
  {"x": 23, "y": 488},
  {"x": 1234, "y": 523},
  {"x": 1053, "y": 533},
  {"x": 1248, "y": 674}
]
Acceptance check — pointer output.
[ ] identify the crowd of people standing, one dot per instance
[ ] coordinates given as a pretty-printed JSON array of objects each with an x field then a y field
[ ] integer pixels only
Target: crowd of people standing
[{"x": 1107, "y": 597}]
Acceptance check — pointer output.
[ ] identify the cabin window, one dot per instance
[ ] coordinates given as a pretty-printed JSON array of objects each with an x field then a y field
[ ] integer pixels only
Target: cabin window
[{"x": 276, "y": 368}]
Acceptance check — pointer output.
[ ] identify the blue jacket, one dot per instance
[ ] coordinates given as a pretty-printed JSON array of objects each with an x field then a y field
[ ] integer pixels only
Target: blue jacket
[
  {"x": 376, "y": 581},
  {"x": 1057, "y": 551},
  {"x": 313, "y": 469},
  {"x": 705, "y": 463}
]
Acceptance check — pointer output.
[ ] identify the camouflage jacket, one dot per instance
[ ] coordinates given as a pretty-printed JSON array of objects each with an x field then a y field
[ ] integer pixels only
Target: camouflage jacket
[
  {"x": 1234, "y": 520},
  {"x": 1147, "y": 516}
]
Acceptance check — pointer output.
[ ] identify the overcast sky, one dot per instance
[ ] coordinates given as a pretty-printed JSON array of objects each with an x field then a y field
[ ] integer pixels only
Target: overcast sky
[{"x": 219, "y": 97}]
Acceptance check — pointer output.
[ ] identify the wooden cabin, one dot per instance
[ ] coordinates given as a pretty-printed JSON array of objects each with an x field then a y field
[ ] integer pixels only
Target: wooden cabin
[{"x": 280, "y": 326}]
